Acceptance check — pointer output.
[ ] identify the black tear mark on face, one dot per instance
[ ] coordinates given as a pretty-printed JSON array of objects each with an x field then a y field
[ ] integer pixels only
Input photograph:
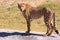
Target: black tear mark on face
[
  {"x": 20, "y": 9},
  {"x": 19, "y": 6}
]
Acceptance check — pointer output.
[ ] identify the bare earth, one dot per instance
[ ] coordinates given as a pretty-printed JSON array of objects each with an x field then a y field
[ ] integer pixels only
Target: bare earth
[{"x": 6, "y": 34}]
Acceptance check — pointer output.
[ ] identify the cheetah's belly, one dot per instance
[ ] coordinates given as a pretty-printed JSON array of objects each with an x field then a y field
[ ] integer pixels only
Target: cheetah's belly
[{"x": 36, "y": 15}]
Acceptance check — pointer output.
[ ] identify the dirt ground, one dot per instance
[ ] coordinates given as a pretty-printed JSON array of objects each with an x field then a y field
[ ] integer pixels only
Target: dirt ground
[{"x": 20, "y": 35}]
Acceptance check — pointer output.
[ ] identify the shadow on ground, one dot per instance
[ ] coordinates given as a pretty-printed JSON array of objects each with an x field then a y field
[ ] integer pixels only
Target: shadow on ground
[{"x": 4, "y": 34}]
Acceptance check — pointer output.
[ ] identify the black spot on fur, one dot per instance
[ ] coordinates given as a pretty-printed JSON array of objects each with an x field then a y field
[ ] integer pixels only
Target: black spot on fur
[{"x": 57, "y": 31}]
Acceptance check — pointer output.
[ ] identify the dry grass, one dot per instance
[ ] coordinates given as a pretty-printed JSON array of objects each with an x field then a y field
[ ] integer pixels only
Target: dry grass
[{"x": 11, "y": 18}]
